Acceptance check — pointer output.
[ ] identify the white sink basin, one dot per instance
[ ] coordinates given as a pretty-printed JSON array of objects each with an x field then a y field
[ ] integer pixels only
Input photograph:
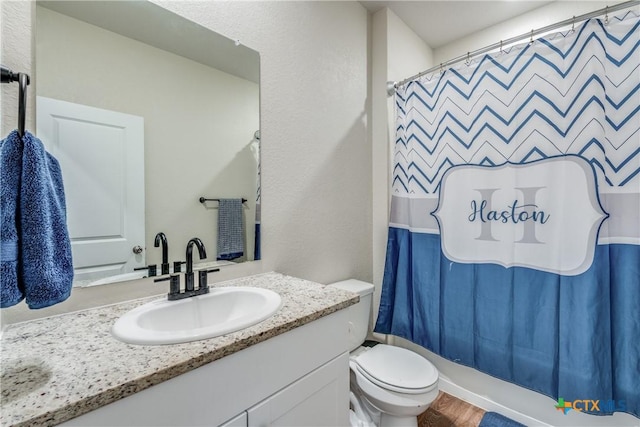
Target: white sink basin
[{"x": 221, "y": 311}]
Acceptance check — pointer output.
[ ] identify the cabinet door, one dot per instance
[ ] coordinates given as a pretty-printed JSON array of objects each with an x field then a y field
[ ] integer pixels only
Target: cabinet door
[
  {"x": 239, "y": 421},
  {"x": 320, "y": 398}
]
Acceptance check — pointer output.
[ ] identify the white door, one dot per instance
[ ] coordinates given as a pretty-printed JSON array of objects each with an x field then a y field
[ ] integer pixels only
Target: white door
[{"x": 101, "y": 154}]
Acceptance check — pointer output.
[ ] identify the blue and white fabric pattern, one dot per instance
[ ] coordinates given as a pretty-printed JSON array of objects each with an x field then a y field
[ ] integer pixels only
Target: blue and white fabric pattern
[{"x": 514, "y": 236}]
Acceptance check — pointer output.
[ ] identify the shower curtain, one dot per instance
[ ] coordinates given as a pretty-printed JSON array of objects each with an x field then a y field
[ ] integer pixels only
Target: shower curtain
[
  {"x": 514, "y": 236},
  {"x": 255, "y": 149}
]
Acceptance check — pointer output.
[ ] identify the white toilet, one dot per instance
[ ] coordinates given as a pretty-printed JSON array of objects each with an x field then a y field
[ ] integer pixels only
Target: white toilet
[{"x": 390, "y": 385}]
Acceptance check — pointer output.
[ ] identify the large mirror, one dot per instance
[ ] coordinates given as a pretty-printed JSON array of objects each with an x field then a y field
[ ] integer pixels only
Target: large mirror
[{"x": 147, "y": 112}]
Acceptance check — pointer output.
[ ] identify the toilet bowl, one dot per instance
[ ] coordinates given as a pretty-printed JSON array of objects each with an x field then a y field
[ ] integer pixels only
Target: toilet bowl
[
  {"x": 396, "y": 384},
  {"x": 392, "y": 385}
]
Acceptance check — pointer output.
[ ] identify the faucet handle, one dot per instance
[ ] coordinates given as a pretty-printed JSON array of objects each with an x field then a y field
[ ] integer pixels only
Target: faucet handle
[
  {"x": 202, "y": 279},
  {"x": 152, "y": 269},
  {"x": 177, "y": 266},
  {"x": 174, "y": 285}
]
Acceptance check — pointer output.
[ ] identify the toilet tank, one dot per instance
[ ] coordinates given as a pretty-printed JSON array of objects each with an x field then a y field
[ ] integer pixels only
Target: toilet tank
[{"x": 358, "y": 313}]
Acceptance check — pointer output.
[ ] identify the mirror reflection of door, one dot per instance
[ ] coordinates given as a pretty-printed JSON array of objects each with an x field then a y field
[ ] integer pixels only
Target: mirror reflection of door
[{"x": 104, "y": 194}]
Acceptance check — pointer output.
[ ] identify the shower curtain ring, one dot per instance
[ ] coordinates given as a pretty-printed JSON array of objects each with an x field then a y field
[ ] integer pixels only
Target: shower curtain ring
[
  {"x": 606, "y": 15},
  {"x": 468, "y": 61},
  {"x": 441, "y": 69},
  {"x": 501, "y": 51},
  {"x": 531, "y": 39},
  {"x": 391, "y": 88},
  {"x": 573, "y": 24}
]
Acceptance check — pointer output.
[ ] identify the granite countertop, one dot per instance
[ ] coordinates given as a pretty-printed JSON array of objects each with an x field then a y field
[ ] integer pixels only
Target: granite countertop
[{"x": 57, "y": 368}]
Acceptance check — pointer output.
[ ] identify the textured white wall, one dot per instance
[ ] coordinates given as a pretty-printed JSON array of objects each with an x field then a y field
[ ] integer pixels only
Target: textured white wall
[
  {"x": 16, "y": 40},
  {"x": 380, "y": 145},
  {"x": 316, "y": 159},
  {"x": 408, "y": 53}
]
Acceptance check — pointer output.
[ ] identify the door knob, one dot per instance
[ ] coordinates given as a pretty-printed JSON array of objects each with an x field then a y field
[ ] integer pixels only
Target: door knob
[{"x": 137, "y": 249}]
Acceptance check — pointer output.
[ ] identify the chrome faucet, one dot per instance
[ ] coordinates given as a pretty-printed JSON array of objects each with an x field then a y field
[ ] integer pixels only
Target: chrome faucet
[
  {"x": 189, "y": 274},
  {"x": 161, "y": 238}
]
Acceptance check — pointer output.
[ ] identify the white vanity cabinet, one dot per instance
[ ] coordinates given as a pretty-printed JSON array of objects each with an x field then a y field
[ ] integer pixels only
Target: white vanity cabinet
[
  {"x": 238, "y": 421},
  {"x": 298, "y": 378},
  {"x": 317, "y": 399}
]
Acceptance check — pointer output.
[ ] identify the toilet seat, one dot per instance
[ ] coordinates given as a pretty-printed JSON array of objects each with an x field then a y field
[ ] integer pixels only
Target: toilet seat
[{"x": 397, "y": 369}]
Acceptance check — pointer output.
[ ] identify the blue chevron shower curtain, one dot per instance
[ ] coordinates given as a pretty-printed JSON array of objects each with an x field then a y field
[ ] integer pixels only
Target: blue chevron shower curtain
[{"x": 514, "y": 238}]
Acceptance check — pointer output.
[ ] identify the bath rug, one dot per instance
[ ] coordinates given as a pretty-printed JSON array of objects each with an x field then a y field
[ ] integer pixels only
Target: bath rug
[{"x": 493, "y": 419}]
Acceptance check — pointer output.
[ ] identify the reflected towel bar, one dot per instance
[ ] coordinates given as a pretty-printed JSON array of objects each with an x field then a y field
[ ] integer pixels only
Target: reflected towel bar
[{"x": 202, "y": 200}]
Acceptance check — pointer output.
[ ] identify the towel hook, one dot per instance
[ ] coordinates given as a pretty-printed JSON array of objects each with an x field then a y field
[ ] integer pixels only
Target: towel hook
[{"x": 23, "y": 80}]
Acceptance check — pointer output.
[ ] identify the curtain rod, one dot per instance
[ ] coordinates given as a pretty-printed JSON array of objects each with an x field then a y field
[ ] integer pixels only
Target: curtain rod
[{"x": 531, "y": 34}]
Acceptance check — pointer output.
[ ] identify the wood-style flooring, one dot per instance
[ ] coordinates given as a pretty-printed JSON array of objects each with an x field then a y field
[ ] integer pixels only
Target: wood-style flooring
[{"x": 449, "y": 411}]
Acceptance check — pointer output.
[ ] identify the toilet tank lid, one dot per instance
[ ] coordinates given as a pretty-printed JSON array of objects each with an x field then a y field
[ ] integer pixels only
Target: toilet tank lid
[{"x": 353, "y": 285}]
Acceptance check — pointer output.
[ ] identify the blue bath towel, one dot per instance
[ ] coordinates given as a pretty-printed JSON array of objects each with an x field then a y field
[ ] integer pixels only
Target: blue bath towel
[
  {"x": 493, "y": 419},
  {"x": 47, "y": 268},
  {"x": 44, "y": 269},
  {"x": 11, "y": 288},
  {"x": 230, "y": 229}
]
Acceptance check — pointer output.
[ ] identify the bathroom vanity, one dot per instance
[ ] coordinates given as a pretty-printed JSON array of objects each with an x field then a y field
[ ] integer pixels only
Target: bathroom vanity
[{"x": 291, "y": 369}]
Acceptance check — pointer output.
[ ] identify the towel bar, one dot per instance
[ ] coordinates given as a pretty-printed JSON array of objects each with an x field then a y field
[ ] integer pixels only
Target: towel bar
[{"x": 202, "y": 200}]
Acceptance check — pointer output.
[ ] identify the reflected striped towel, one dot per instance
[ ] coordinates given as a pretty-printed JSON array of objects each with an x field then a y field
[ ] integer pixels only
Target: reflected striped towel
[{"x": 230, "y": 229}]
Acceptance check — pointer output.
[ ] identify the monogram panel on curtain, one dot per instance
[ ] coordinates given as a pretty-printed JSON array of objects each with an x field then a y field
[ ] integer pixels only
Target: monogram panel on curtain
[{"x": 514, "y": 240}]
